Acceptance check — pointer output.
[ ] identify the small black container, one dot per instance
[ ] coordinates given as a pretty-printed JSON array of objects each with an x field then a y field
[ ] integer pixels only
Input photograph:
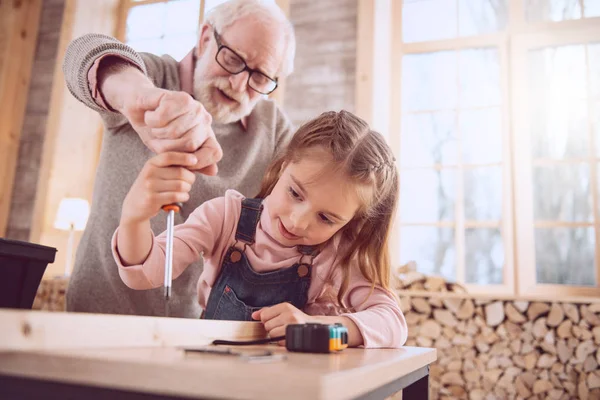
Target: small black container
[{"x": 22, "y": 266}]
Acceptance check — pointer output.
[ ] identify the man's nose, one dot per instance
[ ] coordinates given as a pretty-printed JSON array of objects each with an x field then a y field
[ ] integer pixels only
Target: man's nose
[{"x": 239, "y": 82}]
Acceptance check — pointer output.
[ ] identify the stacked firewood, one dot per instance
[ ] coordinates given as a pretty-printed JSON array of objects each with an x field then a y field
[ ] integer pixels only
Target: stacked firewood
[
  {"x": 408, "y": 278},
  {"x": 491, "y": 349},
  {"x": 50, "y": 295}
]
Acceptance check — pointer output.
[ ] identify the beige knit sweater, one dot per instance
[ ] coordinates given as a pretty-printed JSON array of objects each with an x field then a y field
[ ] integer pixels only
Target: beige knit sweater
[{"x": 95, "y": 285}]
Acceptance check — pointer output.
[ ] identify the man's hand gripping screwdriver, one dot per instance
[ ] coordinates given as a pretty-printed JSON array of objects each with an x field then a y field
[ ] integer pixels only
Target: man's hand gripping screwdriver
[{"x": 171, "y": 209}]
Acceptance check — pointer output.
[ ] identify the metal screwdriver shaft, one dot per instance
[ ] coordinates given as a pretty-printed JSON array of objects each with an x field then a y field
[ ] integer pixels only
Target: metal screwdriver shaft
[{"x": 171, "y": 209}]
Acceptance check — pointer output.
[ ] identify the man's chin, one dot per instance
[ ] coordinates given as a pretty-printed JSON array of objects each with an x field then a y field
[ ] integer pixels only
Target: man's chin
[{"x": 224, "y": 114}]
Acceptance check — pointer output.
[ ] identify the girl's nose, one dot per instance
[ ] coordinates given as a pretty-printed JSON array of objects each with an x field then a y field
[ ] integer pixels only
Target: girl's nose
[{"x": 299, "y": 220}]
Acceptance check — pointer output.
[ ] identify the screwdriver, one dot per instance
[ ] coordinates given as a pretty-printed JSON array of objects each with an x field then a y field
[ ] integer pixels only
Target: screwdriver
[{"x": 171, "y": 209}]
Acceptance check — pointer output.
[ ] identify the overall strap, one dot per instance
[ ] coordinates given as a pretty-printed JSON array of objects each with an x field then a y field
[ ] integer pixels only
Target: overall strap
[
  {"x": 249, "y": 217},
  {"x": 308, "y": 250}
]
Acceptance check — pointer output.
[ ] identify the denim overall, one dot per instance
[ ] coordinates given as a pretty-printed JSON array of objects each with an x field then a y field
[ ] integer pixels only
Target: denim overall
[{"x": 239, "y": 290}]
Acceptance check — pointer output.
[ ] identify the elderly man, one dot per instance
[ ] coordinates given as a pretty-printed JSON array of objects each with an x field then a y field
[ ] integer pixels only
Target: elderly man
[{"x": 212, "y": 103}]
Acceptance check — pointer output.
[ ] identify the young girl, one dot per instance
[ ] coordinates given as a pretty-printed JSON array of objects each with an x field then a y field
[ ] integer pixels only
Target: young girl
[{"x": 314, "y": 249}]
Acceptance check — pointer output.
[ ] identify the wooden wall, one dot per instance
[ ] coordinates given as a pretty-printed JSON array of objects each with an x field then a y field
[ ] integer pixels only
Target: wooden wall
[
  {"x": 324, "y": 76},
  {"x": 34, "y": 125},
  {"x": 73, "y": 134},
  {"x": 19, "y": 22}
]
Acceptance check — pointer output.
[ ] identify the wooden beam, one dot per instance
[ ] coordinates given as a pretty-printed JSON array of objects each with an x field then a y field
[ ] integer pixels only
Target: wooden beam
[
  {"x": 56, "y": 99},
  {"x": 72, "y": 137},
  {"x": 552, "y": 293},
  {"x": 42, "y": 330},
  {"x": 365, "y": 60},
  {"x": 19, "y": 23},
  {"x": 279, "y": 94}
]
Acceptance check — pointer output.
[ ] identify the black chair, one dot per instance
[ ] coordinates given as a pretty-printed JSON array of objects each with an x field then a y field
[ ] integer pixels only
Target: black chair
[{"x": 22, "y": 266}]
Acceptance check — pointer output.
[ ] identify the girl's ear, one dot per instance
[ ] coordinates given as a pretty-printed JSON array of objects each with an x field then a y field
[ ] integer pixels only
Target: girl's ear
[{"x": 283, "y": 167}]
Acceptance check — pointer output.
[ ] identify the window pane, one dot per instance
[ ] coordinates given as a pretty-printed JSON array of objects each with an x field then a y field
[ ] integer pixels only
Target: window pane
[
  {"x": 428, "y": 139},
  {"x": 182, "y": 16},
  {"x": 424, "y": 20},
  {"x": 481, "y": 16},
  {"x": 154, "y": 46},
  {"x": 558, "y": 84},
  {"x": 560, "y": 134},
  {"x": 552, "y": 10},
  {"x": 145, "y": 21},
  {"x": 427, "y": 195},
  {"x": 481, "y": 135},
  {"x": 562, "y": 193},
  {"x": 594, "y": 61},
  {"x": 429, "y": 81},
  {"x": 210, "y": 4},
  {"x": 596, "y": 125},
  {"x": 591, "y": 8},
  {"x": 479, "y": 78},
  {"x": 484, "y": 256},
  {"x": 565, "y": 256},
  {"x": 432, "y": 248},
  {"x": 483, "y": 194},
  {"x": 178, "y": 46}
]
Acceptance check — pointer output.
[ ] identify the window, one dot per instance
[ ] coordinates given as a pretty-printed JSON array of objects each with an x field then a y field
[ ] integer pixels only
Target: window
[
  {"x": 163, "y": 27},
  {"x": 496, "y": 126}
]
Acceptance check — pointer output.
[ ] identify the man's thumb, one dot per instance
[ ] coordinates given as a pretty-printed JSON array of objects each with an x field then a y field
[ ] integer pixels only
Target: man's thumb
[{"x": 149, "y": 100}]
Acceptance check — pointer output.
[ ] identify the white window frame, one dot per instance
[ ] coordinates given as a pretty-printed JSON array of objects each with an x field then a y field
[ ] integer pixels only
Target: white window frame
[{"x": 519, "y": 272}]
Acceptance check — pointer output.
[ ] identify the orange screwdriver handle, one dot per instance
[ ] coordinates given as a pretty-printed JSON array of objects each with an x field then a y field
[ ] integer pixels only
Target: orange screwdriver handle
[{"x": 174, "y": 207}]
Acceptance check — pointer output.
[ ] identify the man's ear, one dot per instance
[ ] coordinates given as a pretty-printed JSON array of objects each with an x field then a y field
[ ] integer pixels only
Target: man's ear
[{"x": 204, "y": 39}]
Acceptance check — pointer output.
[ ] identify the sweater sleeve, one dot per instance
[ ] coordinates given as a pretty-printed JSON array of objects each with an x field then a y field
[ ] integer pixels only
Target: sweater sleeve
[
  {"x": 201, "y": 234},
  {"x": 80, "y": 56},
  {"x": 377, "y": 313}
]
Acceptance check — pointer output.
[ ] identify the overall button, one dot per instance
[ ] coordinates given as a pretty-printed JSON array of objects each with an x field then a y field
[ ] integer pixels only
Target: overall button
[
  {"x": 302, "y": 270},
  {"x": 235, "y": 256}
]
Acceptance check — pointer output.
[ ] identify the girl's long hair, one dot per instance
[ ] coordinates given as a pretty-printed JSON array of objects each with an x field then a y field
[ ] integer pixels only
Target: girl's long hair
[{"x": 365, "y": 158}]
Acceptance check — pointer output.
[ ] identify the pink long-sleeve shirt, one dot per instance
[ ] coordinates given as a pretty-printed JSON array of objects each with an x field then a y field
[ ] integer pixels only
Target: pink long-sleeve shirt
[{"x": 210, "y": 231}]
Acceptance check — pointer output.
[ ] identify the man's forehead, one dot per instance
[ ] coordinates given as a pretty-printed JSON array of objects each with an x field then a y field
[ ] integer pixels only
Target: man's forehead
[{"x": 261, "y": 45}]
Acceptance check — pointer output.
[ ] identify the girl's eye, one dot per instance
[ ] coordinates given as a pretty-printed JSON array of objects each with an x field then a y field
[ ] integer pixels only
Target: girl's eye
[
  {"x": 293, "y": 193},
  {"x": 324, "y": 219}
]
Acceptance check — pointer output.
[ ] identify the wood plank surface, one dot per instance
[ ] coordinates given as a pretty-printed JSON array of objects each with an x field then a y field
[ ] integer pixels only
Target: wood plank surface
[
  {"x": 171, "y": 371},
  {"x": 145, "y": 354},
  {"x": 41, "y": 330}
]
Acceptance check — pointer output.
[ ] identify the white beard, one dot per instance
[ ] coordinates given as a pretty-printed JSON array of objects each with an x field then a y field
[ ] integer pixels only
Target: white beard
[{"x": 221, "y": 113}]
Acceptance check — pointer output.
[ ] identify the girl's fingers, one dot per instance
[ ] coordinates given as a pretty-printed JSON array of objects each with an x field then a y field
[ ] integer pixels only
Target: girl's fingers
[
  {"x": 162, "y": 185},
  {"x": 256, "y": 315},
  {"x": 173, "y": 174},
  {"x": 164, "y": 198},
  {"x": 275, "y": 322},
  {"x": 279, "y": 331},
  {"x": 174, "y": 158},
  {"x": 269, "y": 313}
]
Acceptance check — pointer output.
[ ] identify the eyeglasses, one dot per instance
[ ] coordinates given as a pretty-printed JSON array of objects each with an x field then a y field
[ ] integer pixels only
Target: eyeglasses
[{"x": 233, "y": 63}]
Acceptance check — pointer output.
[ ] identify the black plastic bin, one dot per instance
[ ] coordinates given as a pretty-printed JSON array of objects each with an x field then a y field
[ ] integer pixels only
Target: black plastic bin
[{"x": 22, "y": 266}]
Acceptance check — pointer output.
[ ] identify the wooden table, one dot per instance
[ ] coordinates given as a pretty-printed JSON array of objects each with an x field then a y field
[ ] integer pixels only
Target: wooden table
[{"x": 47, "y": 353}]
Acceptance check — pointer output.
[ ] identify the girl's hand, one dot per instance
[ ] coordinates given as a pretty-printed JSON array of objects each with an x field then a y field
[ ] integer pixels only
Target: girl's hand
[
  {"x": 277, "y": 317},
  {"x": 163, "y": 180}
]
